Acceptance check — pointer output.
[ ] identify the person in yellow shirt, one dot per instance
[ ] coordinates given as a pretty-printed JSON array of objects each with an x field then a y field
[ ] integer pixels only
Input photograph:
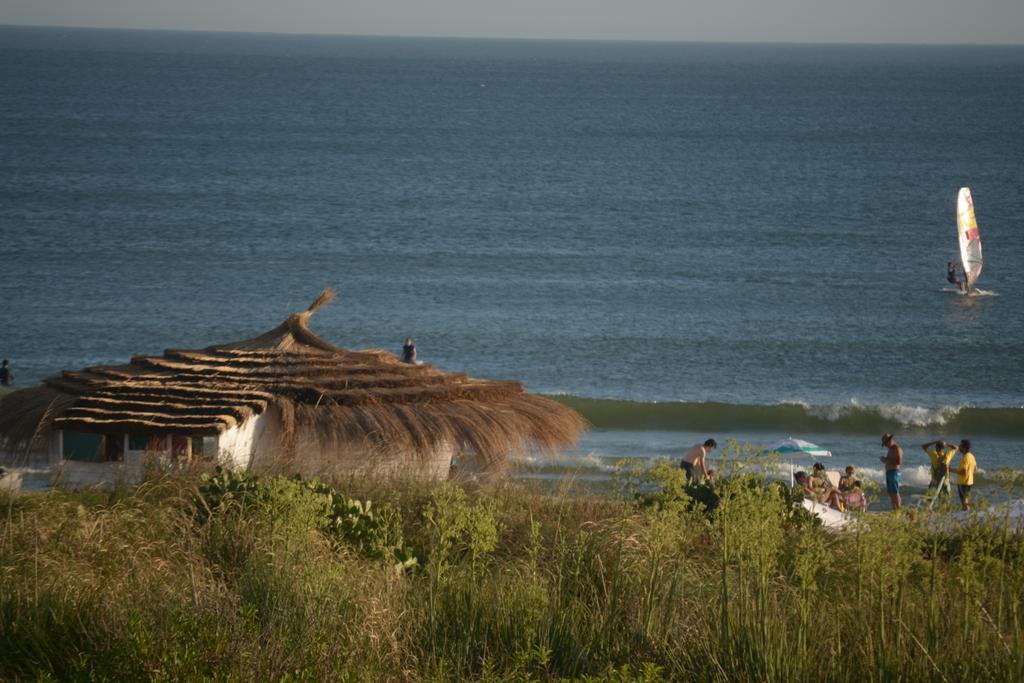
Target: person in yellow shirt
[
  {"x": 965, "y": 473},
  {"x": 941, "y": 453}
]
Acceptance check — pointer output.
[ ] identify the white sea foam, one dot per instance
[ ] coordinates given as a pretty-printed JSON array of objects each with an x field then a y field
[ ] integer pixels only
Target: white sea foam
[
  {"x": 916, "y": 416},
  {"x": 973, "y": 292},
  {"x": 910, "y": 416},
  {"x": 917, "y": 475},
  {"x": 31, "y": 471},
  {"x": 566, "y": 461},
  {"x": 796, "y": 402}
]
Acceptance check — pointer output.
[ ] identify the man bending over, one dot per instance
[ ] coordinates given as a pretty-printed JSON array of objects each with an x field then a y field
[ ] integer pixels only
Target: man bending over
[{"x": 695, "y": 458}]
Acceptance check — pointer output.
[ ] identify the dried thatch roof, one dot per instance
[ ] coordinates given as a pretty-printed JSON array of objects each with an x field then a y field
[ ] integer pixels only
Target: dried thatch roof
[{"x": 360, "y": 398}]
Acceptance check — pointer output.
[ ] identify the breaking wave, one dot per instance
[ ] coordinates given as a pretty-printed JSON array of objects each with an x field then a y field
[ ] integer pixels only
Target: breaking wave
[
  {"x": 589, "y": 462},
  {"x": 913, "y": 475},
  {"x": 795, "y": 417}
]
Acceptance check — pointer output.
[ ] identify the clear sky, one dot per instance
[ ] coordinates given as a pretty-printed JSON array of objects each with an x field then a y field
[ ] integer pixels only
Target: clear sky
[{"x": 872, "y": 21}]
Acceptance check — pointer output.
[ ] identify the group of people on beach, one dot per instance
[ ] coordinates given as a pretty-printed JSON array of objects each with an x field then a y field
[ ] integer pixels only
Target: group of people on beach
[
  {"x": 848, "y": 493},
  {"x": 941, "y": 454}
]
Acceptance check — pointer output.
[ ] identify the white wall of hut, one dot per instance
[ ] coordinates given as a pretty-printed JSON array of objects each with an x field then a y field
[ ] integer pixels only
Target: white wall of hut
[{"x": 256, "y": 444}]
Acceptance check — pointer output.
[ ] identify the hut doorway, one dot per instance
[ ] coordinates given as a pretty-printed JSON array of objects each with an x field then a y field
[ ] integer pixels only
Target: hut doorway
[{"x": 113, "y": 448}]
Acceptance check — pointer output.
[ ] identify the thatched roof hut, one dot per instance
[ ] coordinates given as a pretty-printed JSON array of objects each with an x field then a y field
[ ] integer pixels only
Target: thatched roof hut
[{"x": 363, "y": 404}]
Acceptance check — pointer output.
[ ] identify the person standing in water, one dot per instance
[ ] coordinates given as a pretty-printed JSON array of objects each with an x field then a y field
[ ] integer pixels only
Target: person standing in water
[
  {"x": 6, "y": 374},
  {"x": 951, "y": 277},
  {"x": 940, "y": 454},
  {"x": 893, "y": 460},
  {"x": 696, "y": 458},
  {"x": 965, "y": 473}
]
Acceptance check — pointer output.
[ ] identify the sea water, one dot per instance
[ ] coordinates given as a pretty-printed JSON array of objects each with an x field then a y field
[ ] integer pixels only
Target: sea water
[{"x": 729, "y": 241}]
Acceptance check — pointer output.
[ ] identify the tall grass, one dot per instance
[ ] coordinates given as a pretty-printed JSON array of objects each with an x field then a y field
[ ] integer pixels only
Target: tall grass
[{"x": 674, "y": 583}]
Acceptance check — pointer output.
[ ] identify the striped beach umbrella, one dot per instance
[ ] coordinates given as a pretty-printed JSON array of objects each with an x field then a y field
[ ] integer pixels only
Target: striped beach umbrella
[{"x": 791, "y": 447}]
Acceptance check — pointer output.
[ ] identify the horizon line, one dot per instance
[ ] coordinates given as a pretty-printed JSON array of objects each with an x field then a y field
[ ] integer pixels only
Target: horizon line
[{"x": 652, "y": 41}]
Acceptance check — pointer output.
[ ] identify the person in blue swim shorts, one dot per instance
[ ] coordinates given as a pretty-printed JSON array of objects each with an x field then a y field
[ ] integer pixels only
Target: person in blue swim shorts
[{"x": 893, "y": 460}]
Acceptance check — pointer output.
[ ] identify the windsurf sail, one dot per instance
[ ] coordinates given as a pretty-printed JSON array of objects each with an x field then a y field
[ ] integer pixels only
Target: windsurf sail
[{"x": 970, "y": 242}]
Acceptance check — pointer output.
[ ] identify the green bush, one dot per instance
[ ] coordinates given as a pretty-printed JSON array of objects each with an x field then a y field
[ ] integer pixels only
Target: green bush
[
  {"x": 312, "y": 504},
  {"x": 280, "y": 579}
]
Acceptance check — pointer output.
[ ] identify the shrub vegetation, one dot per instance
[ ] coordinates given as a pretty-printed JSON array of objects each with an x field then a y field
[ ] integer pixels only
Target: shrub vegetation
[{"x": 235, "y": 577}]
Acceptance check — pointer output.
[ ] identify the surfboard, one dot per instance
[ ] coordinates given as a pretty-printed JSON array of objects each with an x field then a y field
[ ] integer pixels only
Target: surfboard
[
  {"x": 830, "y": 519},
  {"x": 970, "y": 241}
]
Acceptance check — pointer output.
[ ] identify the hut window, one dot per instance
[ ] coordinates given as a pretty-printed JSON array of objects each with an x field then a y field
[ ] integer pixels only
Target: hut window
[
  {"x": 204, "y": 446},
  {"x": 83, "y": 447},
  {"x": 89, "y": 447}
]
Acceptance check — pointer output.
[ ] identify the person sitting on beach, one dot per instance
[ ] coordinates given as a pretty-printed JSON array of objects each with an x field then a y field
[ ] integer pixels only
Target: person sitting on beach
[
  {"x": 855, "y": 498},
  {"x": 802, "y": 484},
  {"x": 819, "y": 477},
  {"x": 409, "y": 352},
  {"x": 965, "y": 473},
  {"x": 941, "y": 453},
  {"x": 696, "y": 458},
  {"x": 847, "y": 481},
  {"x": 951, "y": 277},
  {"x": 825, "y": 496}
]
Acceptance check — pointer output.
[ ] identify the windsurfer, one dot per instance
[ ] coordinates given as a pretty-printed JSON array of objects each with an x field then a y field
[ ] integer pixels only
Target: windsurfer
[
  {"x": 951, "y": 277},
  {"x": 970, "y": 241}
]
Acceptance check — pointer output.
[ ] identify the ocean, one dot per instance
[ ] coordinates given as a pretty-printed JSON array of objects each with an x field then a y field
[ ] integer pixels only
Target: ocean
[{"x": 685, "y": 240}]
